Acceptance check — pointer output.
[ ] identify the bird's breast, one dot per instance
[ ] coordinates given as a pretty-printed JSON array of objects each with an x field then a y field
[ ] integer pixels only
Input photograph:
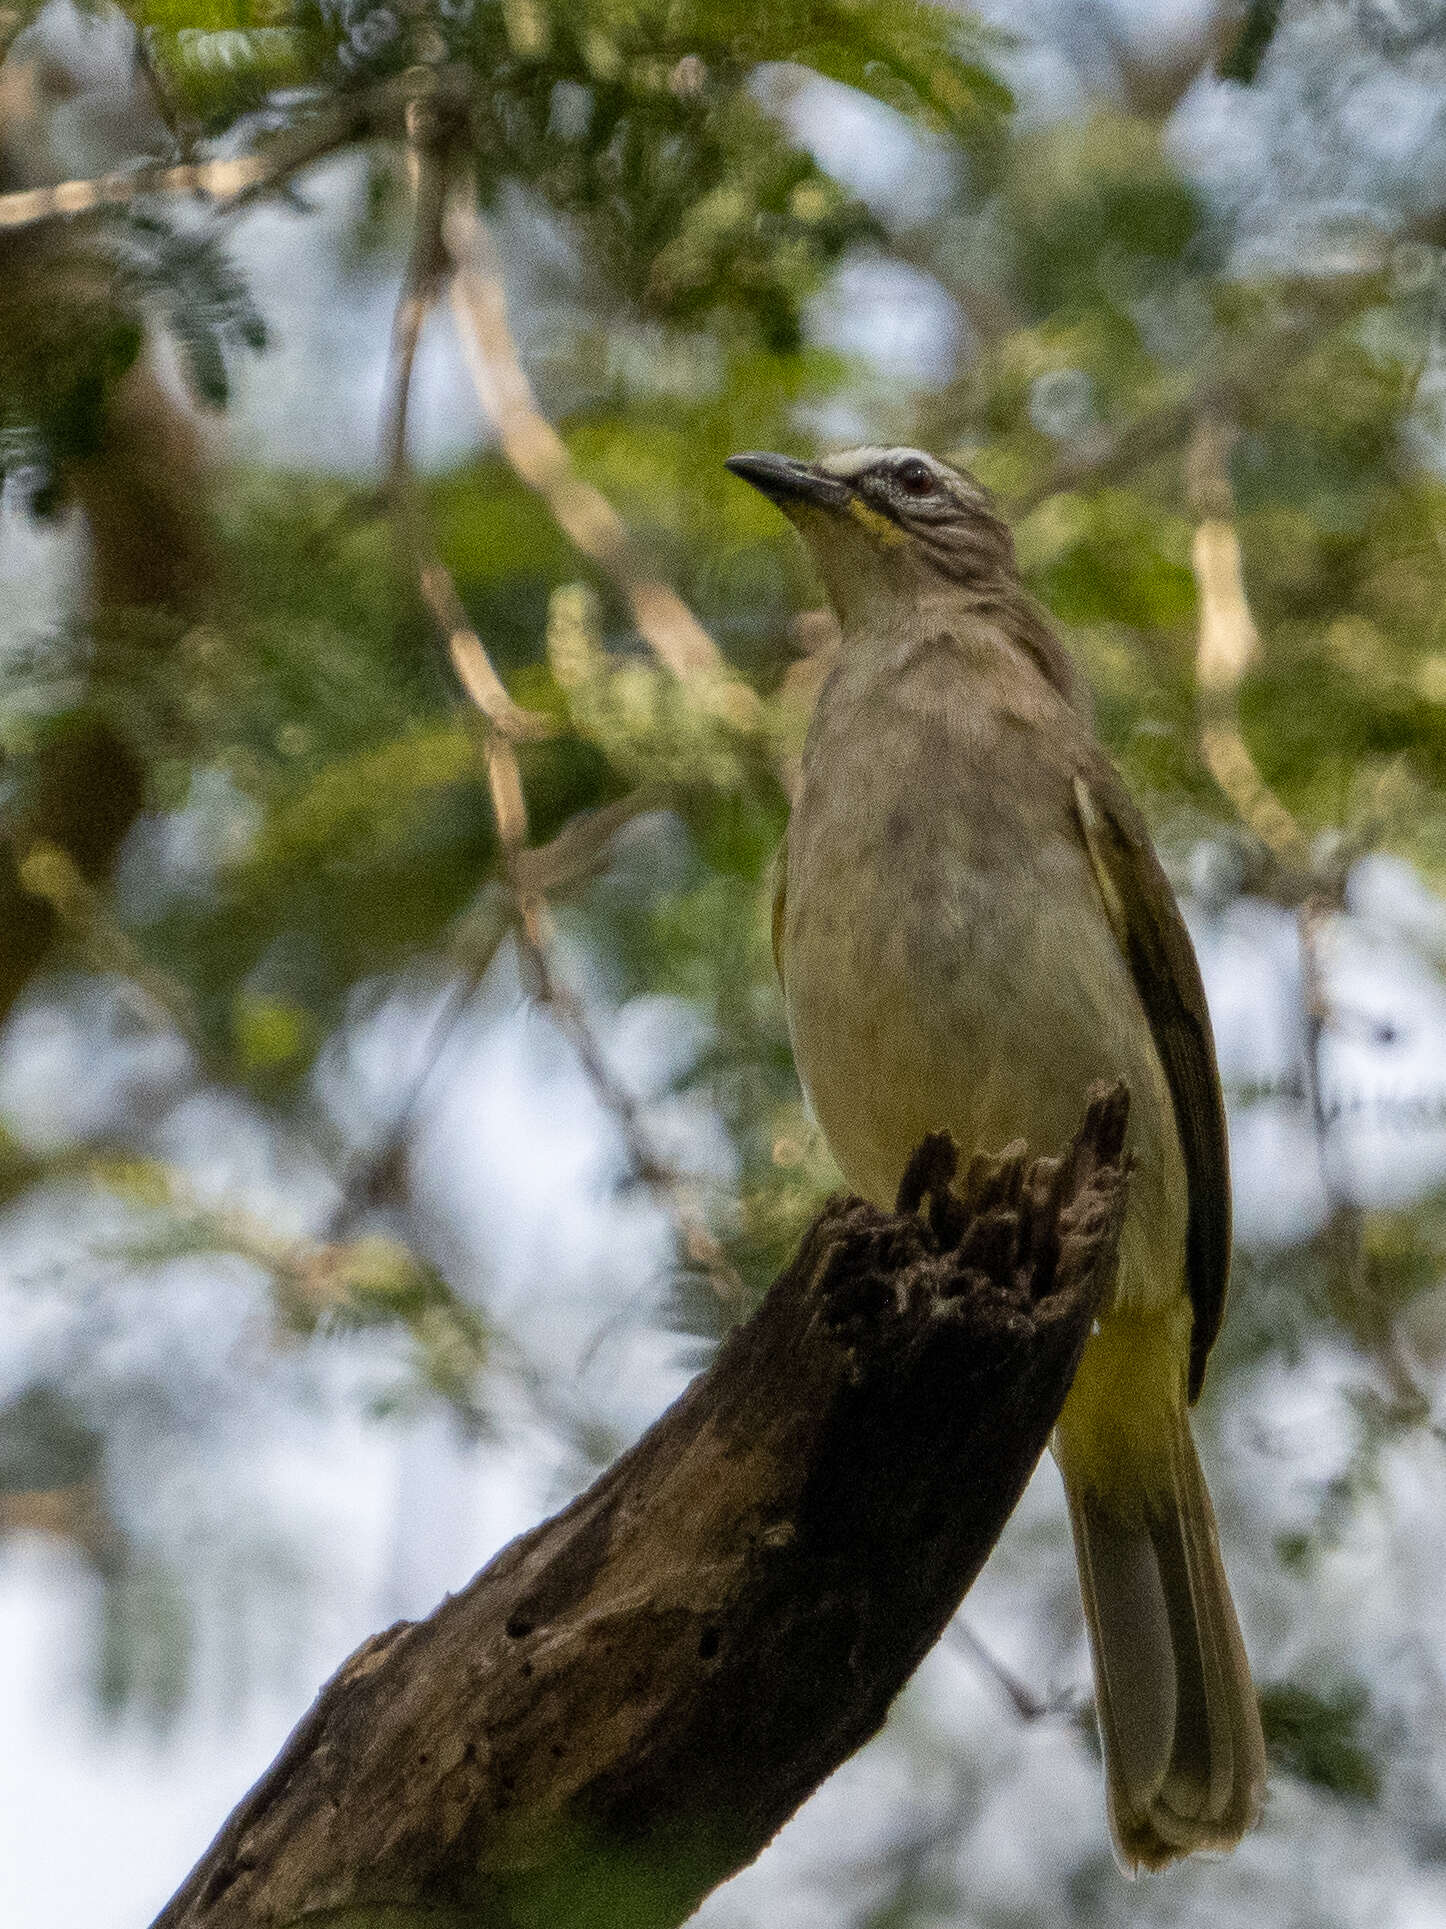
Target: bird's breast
[{"x": 947, "y": 962}]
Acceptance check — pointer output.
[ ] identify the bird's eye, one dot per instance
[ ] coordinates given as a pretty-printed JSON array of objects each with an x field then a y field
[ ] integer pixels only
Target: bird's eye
[{"x": 915, "y": 478}]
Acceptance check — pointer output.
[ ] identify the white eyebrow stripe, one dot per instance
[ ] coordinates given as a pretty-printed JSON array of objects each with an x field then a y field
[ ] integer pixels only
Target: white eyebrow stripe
[{"x": 850, "y": 463}]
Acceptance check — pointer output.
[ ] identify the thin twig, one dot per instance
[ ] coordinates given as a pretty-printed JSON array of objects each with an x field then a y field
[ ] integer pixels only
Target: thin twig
[
  {"x": 578, "y": 852},
  {"x": 475, "y": 670},
  {"x": 540, "y": 456},
  {"x": 649, "y": 1167},
  {"x": 1026, "y": 1703},
  {"x": 50, "y": 873},
  {"x": 235, "y": 182},
  {"x": 502, "y": 720},
  {"x": 1029, "y": 1706},
  {"x": 581, "y": 849},
  {"x": 369, "y": 1179},
  {"x": 220, "y": 181},
  {"x": 421, "y": 278},
  {"x": 502, "y": 723},
  {"x": 1114, "y": 455},
  {"x": 425, "y": 272},
  {"x": 1227, "y": 644}
]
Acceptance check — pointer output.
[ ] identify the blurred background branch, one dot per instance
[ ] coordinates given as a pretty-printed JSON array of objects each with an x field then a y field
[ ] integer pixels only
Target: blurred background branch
[
  {"x": 431, "y": 265},
  {"x": 1227, "y": 646}
]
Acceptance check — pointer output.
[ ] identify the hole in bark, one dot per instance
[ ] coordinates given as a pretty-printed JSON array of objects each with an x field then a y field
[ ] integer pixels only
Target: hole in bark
[
  {"x": 526, "y": 1671},
  {"x": 708, "y": 1644},
  {"x": 863, "y": 1297},
  {"x": 517, "y": 1627},
  {"x": 967, "y": 1283}
]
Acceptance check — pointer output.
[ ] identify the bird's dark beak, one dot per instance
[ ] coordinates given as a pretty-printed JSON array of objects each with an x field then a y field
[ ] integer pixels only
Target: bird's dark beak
[{"x": 786, "y": 482}]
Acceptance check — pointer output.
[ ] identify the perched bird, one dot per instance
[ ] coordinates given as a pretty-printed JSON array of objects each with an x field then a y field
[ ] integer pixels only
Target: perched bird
[{"x": 972, "y": 927}]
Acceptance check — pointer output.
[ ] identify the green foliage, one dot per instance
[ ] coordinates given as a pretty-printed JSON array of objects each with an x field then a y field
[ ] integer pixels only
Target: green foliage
[
  {"x": 146, "y": 1656},
  {"x": 46, "y": 1443},
  {"x": 58, "y": 366},
  {"x": 1251, "y": 44},
  {"x": 211, "y": 16},
  {"x": 353, "y": 1284},
  {"x": 205, "y": 302},
  {"x": 72, "y": 325},
  {"x": 1319, "y": 1737},
  {"x": 916, "y": 57},
  {"x": 1088, "y": 204},
  {"x": 635, "y": 122},
  {"x": 215, "y": 73}
]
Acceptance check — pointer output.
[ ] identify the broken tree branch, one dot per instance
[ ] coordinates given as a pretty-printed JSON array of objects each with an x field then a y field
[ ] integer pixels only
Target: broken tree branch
[{"x": 623, "y": 1708}]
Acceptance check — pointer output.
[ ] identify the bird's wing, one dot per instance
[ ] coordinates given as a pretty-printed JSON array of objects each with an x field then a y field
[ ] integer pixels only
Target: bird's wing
[
  {"x": 1151, "y": 934},
  {"x": 780, "y": 902}
]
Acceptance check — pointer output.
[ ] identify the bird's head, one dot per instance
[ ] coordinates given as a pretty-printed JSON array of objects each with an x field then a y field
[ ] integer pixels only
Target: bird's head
[{"x": 887, "y": 523}]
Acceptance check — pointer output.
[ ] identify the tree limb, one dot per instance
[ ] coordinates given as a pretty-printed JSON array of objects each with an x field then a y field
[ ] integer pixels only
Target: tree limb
[
  {"x": 235, "y": 181},
  {"x": 623, "y": 1708}
]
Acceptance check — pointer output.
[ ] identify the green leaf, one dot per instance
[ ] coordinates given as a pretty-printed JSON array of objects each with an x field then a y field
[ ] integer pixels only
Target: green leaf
[
  {"x": 271, "y": 1033},
  {"x": 1318, "y": 1737},
  {"x": 1242, "y": 59},
  {"x": 218, "y": 74},
  {"x": 210, "y": 16}
]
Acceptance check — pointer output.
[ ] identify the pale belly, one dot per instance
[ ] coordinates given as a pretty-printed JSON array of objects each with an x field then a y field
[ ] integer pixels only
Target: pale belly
[{"x": 934, "y": 982}]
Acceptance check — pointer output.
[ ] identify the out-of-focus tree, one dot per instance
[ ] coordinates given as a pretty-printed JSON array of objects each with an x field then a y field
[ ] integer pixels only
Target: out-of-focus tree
[{"x": 301, "y": 743}]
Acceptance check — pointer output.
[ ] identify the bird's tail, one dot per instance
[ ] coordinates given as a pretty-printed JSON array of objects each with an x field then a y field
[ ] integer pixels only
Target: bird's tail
[{"x": 1178, "y": 1718}]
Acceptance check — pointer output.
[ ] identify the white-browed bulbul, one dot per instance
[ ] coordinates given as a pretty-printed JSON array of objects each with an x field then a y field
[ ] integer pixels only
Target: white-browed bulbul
[{"x": 972, "y": 927}]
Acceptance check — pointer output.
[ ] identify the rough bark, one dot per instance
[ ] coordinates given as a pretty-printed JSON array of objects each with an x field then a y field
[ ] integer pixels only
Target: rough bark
[{"x": 622, "y": 1709}]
